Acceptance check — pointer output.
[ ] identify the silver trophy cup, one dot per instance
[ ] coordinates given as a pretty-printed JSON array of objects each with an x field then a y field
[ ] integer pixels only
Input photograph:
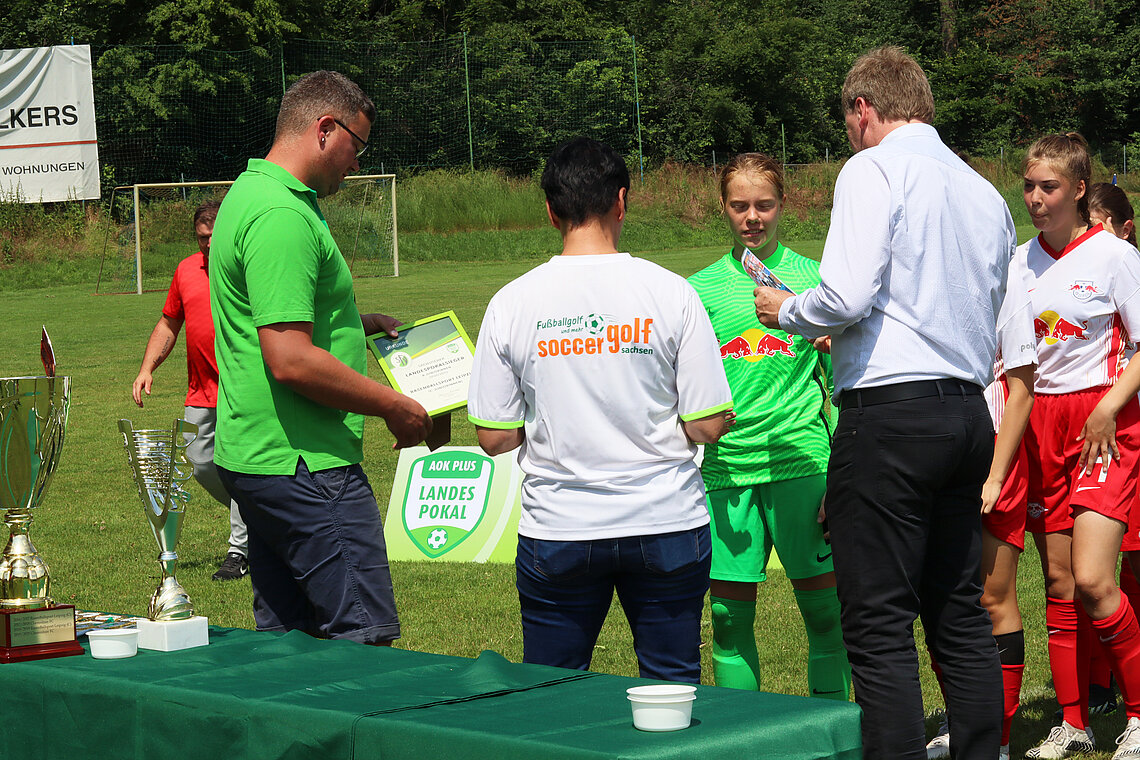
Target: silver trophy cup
[
  {"x": 33, "y": 416},
  {"x": 158, "y": 461}
]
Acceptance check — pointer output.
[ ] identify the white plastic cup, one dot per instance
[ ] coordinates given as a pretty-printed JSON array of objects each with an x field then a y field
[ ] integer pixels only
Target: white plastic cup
[
  {"x": 113, "y": 643},
  {"x": 662, "y": 707}
]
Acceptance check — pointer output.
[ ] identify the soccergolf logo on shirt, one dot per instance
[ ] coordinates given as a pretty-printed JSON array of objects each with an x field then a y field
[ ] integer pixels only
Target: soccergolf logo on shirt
[
  {"x": 593, "y": 334},
  {"x": 446, "y": 499},
  {"x": 753, "y": 345}
]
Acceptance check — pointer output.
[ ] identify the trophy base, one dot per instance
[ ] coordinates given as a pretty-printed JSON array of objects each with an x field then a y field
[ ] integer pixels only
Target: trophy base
[
  {"x": 38, "y": 634},
  {"x": 172, "y": 635}
]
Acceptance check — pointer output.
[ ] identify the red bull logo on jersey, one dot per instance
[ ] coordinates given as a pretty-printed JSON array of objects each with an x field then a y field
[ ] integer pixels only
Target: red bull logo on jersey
[
  {"x": 1083, "y": 290},
  {"x": 1053, "y": 327},
  {"x": 752, "y": 345}
]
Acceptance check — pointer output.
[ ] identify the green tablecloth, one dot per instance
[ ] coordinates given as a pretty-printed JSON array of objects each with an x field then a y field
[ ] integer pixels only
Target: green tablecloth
[{"x": 252, "y": 695}]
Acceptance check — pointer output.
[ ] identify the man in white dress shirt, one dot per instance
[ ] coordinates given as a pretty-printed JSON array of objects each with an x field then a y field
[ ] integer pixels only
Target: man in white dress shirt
[{"x": 913, "y": 276}]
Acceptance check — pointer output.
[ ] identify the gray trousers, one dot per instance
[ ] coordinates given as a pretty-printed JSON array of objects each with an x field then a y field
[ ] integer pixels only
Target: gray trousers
[{"x": 201, "y": 453}]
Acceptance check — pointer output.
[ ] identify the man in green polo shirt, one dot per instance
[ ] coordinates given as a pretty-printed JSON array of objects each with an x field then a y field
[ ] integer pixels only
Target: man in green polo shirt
[{"x": 293, "y": 390}]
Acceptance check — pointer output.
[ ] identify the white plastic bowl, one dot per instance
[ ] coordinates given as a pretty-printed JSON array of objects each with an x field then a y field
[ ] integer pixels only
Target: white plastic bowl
[
  {"x": 662, "y": 707},
  {"x": 113, "y": 643}
]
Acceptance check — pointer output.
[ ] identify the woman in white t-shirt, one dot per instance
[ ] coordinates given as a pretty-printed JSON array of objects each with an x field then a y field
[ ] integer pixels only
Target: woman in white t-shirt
[{"x": 1083, "y": 440}]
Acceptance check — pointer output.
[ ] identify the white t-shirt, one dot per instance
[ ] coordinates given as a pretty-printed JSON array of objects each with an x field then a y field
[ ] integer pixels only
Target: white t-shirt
[
  {"x": 1017, "y": 344},
  {"x": 1085, "y": 308},
  {"x": 599, "y": 359}
]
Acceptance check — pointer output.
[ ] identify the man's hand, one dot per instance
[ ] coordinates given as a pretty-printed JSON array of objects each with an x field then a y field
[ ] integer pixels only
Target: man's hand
[
  {"x": 380, "y": 323},
  {"x": 823, "y": 345},
  {"x": 142, "y": 385},
  {"x": 768, "y": 302},
  {"x": 409, "y": 423}
]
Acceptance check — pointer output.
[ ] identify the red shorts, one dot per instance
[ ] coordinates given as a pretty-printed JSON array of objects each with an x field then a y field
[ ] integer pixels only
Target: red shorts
[
  {"x": 1006, "y": 521},
  {"x": 1056, "y": 486},
  {"x": 1131, "y": 540}
]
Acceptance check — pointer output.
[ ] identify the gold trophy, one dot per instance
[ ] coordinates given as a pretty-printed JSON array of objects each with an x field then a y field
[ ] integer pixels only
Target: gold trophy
[
  {"x": 33, "y": 416},
  {"x": 160, "y": 467}
]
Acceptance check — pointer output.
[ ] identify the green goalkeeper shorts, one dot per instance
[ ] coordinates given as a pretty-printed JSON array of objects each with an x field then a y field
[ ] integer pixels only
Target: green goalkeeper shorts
[{"x": 748, "y": 522}]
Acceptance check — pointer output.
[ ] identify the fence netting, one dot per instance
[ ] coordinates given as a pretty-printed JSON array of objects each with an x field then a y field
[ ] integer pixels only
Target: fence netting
[{"x": 171, "y": 113}]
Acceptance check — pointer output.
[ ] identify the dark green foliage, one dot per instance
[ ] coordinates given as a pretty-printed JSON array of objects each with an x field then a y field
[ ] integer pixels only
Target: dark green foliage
[{"x": 713, "y": 76}]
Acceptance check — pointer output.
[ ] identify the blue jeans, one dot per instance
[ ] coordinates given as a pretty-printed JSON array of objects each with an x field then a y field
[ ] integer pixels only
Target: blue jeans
[
  {"x": 566, "y": 587},
  {"x": 317, "y": 558}
]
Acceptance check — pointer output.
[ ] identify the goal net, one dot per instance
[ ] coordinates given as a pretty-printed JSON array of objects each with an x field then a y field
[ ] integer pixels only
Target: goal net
[{"x": 152, "y": 230}]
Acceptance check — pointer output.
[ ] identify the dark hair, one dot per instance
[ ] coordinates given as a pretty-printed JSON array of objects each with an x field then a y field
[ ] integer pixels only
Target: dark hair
[
  {"x": 1067, "y": 154},
  {"x": 582, "y": 179},
  {"x": 317, "y": 94},
  {"x": 207, "y": 213},
  {"x": 1114, "y": 203}
]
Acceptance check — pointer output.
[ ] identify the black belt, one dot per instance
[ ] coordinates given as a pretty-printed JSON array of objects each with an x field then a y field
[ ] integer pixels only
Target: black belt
[{"x": 887, "y": 394}]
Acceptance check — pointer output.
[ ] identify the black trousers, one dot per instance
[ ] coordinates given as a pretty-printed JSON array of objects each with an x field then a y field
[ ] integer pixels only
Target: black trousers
[{"x": 903, "y": 500}]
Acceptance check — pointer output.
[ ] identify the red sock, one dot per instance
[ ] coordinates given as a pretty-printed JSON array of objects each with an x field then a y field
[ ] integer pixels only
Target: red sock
[
  {"x": 1099, "y": 671},
  {"x": 1011, "y": 686},
  {"x": 1129, "y": 585},
  {"x": 1120, "y": 635},
  {"x": 1068, "y": 656},
  {"x": 938, "y": 675}
]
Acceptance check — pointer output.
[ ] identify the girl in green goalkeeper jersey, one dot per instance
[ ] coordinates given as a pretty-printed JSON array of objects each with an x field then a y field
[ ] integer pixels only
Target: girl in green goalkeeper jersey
[{"x": 766, "y": 477}]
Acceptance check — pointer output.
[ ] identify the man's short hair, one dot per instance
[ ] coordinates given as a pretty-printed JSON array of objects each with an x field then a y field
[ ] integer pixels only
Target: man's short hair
[
  {"x": 207, "y": 213},
  {"x": 582, "y": 179},
  {"x": 893, "y": 83},
  {"x": 317, "y": 94}
]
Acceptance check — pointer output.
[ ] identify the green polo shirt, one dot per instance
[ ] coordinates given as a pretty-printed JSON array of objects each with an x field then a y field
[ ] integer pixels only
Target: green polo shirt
[{"x": 273, "y": 259}]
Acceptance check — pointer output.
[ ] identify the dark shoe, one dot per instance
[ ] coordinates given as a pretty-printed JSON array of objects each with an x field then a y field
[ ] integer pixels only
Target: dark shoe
[
  {"x": 1102, "y": 700},
  {"x": 234, "y": 567}
]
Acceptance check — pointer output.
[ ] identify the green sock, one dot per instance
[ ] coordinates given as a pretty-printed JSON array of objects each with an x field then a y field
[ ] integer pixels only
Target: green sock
[
  {"x": 829, "y": 673},
  {"x": 735, "y": 662}
]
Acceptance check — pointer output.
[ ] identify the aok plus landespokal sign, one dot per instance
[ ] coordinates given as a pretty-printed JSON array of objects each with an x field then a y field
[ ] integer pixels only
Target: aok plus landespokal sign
[
  {"x": 48, "y": 146},
  {"x": 454, "y": 505}
]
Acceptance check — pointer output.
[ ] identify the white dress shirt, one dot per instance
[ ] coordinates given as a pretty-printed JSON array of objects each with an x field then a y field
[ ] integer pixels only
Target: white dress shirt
[{"x": 914, "y": 268}]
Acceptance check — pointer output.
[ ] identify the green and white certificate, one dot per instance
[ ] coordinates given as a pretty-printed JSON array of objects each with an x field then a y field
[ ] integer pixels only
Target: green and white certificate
[{"x": 430, "y": 361}]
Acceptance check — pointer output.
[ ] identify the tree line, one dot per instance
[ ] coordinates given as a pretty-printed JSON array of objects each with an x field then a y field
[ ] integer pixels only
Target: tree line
[{"x": 714, "y": 76}]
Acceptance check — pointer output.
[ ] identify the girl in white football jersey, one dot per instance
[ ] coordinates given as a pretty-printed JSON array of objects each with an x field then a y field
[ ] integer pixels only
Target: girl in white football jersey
[{"x": 1083, "y": 439}]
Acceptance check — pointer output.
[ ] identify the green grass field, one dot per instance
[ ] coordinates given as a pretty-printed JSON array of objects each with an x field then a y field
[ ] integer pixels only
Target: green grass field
[{"x": 91, "y": 530}]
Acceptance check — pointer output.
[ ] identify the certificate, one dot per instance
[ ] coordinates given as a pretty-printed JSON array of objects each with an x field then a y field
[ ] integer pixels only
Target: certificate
[{"x": 430, "y": 361}]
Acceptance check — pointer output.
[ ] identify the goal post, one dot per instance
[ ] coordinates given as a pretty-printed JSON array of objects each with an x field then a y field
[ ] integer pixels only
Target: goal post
[{"x": 361, "y": 217}]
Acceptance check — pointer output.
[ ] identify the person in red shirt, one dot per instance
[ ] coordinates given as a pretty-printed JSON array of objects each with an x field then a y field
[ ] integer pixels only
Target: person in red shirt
[{"x": 188, "y": 302}]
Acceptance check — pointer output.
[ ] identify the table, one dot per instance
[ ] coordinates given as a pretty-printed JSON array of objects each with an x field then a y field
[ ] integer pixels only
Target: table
[{"x": 251, "y": 695}]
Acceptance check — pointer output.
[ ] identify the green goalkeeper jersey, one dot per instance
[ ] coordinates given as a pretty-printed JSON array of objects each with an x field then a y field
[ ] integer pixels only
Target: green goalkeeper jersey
[{"x": 781, "y": 385}]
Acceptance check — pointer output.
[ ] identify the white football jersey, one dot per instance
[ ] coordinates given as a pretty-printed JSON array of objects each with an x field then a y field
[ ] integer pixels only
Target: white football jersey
[
  {"x": 1085, "y": 308},
  {"x": 1017, "y": 346}
]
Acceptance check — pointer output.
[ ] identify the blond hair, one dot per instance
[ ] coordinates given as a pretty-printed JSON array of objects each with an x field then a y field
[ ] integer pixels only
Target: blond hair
[
  {"x": 892, "y": 82},
  {"x": 1066, "y": 154},
  {"x": 768, "y": 168}
]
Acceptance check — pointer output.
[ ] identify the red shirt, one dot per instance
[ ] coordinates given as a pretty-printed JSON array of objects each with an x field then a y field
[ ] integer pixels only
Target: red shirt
[{"x": 189, "y": 300}]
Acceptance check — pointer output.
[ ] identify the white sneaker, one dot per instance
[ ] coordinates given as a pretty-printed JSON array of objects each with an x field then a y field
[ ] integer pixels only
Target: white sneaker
[
  {"x": 939, "y": 746},
  {"x": 1003, "y": 752},
  {"x": 1128, "y": 743},
  {"x": 1065, "y": 740}
]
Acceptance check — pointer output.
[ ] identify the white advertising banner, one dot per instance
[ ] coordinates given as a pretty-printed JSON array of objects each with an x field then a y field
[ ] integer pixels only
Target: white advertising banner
[{"x": 48, "y": 148}]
